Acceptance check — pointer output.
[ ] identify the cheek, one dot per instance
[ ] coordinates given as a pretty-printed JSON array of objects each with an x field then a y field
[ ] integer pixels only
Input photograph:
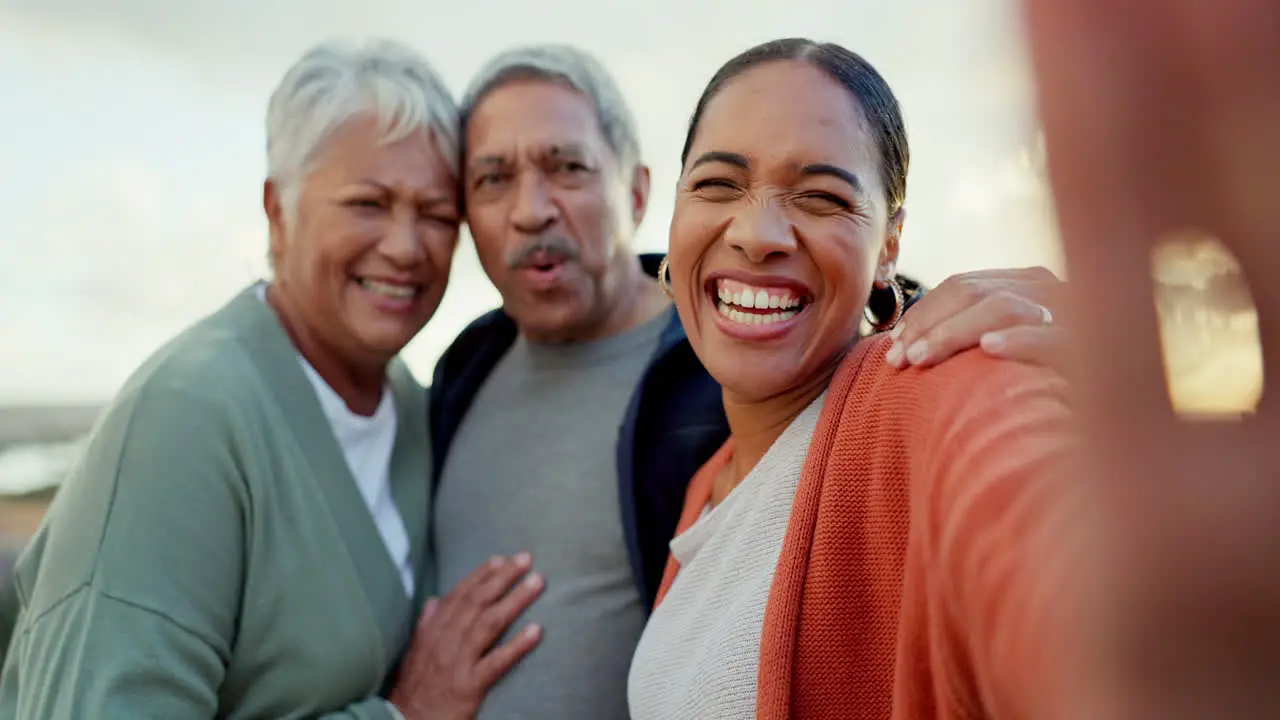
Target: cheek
[
  {"x": 691, "y": 240},
  {"x": 489, "y": 251},
  {"x": 486, "y": 226},
  {"x": 440, "y": 249},
  {"x": 594, "y": 220},
  {"x": 318, "y": 251},
  {"x": 692, "y": 235},
  {"x": 847, "y": 262}
]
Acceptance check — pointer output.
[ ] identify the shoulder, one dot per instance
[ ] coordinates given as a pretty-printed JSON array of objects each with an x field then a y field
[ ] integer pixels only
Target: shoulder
[
  {"x": 171, "y": 444},
  {"x": 971, "y": 379},
  {"x": 493, "y": 331},
  {"x": 460, "y": 372},
  {"x": 200, "y": 388},
  {"x": 410, "y": 395},
  {"x": 463, "y": 368},
  {"x": 907, "y": 412},
  {"x": 401, "y": 376},
  {"x": 197, "y": 369}
]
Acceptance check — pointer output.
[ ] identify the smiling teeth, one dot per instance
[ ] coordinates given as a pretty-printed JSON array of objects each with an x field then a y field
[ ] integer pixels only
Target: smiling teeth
[
  {"x": 400, "y": 292},
  {"x": 755, "y": 318},
  {"x": 746, "y": 296}
]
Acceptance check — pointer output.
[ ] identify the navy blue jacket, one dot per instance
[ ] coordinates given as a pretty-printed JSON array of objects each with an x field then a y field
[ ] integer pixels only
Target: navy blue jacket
[{"x": 674, "y": 423}]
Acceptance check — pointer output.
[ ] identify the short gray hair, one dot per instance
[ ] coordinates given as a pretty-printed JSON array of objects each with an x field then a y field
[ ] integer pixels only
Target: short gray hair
[
  {"x": 333, "y": 83},
  {"x": 572, "y": 67}
]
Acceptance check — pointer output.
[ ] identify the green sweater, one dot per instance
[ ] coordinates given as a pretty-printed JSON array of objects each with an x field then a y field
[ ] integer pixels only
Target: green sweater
[{"x": 210, "y": 555}]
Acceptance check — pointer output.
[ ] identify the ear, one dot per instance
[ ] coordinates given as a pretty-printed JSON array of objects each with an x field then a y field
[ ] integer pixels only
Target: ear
[
  {"x": 639, "y": 193},
  {"x": 274, "y": 208},
  {"x": 887, "y": 266}
]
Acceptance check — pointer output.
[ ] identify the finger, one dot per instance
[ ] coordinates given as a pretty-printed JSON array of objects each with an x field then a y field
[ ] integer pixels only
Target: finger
[
  {"x": 952, "y": 295},
  {"x": 960, "y": 292},
  {"x": 494, "y": 620},
  {"x": 1110, "y": 165},
  {"x": 1109, "y": 75},
  {"x": 481, "y": 595},
  {"x": 453, "y": 608},
  {"x": 500, "y": 580},
  {"x": 965, "y": 329},
  {"x": 428, "y": 611},
  {"x": 498, "y": 661},
  {"x": 1037, "y": 345},
  {"x": 1237, "y": 53},
  {"x": 414, "y": 658}
]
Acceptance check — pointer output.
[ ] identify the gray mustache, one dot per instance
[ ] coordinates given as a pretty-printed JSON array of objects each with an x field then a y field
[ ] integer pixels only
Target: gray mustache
[{"x": 558, "y": 247}]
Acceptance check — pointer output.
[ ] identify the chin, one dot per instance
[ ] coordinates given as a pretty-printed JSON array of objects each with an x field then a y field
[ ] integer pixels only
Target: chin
[
  {"x": 550, "y": 318},
  {"x": 754, "y": 381},
  {"x": 388, "y": 341}
]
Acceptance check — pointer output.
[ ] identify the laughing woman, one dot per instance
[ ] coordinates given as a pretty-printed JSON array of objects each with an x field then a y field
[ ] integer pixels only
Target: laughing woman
[
  {"x": 246, "y": 534},
  {"x": 863, "y": 545}
]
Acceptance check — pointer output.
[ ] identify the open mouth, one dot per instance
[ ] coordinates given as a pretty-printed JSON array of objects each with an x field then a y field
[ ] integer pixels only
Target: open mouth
[
  {"x": 544, "y": 261},
  {"x": 749, "y": 304},
  {"x": 543, "y": 270},
  {"x": 548, "y": 266}
]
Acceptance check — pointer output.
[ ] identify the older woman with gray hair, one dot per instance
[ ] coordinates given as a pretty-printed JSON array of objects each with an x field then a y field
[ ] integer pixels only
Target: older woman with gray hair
[{"x": 246, "y": 533}]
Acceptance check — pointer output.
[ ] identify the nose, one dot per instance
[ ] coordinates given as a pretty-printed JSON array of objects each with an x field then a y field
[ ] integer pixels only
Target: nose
[
  {"x": 404, "y": 244},
  {"x": 761, "y": 231},
  {"x": 534, "y": 211}
]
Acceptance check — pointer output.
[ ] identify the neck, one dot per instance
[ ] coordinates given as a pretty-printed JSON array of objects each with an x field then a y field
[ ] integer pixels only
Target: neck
[
  {"x": 756, "y": 424},
  {"x": 632, "y": 298},
  {"x": 359, "y": 384}
]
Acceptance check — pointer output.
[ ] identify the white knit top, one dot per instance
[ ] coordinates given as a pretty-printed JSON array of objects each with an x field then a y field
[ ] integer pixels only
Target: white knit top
[{"x": 700, "y": 651}]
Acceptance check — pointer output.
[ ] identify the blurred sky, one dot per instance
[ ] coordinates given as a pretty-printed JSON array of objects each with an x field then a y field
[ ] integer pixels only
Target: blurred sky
[{"x": 133, "y": 153}]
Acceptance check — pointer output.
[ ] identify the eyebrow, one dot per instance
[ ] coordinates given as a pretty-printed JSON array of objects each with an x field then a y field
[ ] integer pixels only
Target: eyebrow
[
  {"x": 563, "y": 149},
  {"x": 719, "y": 156},
  {"x": 835, "y": 172},
  {"x": 550, "y": 151},
  {"x": 488, "y": 161},
  {"x": 740, "y": 161},
  {"x": 385, "y": 188}
]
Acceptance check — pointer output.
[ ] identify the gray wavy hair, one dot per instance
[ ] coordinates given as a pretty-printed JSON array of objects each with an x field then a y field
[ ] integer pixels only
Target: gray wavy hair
[
  {"x": 574, "y": 68},
  {"x": 334, "y": 82}
]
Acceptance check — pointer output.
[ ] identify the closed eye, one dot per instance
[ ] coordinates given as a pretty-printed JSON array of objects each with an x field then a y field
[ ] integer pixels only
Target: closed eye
[
  {"x": 446, "y": 221},
  {"x": 828, "y": 200},
  {"x": 713, "y": 183}
]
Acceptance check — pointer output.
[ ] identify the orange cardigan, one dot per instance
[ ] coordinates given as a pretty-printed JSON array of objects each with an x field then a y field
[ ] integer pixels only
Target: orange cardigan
[{"x": 904, "y": 587}]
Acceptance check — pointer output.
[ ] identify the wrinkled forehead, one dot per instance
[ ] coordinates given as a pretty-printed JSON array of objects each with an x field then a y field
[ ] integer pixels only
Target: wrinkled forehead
[{"x": 522, "y": 119}]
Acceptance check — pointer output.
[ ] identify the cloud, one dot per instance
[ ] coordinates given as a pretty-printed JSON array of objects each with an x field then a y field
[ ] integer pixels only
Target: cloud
[
  {"x": 132, "y": 182},
  {"x": 238, "y": 34},
  {"x": 97, "y": 288}
]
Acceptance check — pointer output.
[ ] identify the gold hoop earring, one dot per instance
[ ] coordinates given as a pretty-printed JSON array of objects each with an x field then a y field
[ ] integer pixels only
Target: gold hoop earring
[
  {"x": 899, "y": 307},
  {"x": 664, "y": 281}
]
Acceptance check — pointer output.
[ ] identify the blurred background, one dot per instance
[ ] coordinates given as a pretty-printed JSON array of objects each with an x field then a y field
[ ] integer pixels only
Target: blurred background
[{"x": 133, "y": 158}]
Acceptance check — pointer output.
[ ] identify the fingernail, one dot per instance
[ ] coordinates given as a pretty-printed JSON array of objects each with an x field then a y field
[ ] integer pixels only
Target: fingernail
[
  {"x": 917, "y": 352},
  {"x": 993, "y": 342},
  {"x": 534, "y": 581},
  {"x": 896, "y": 331},
  {"x": 496, "y": 561},
  {"x": 428, "y": 610},
  {"x": 523, "y": 559},
  {"x": 894, "y": 356},
  {"x": 532, "y": 631}
]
